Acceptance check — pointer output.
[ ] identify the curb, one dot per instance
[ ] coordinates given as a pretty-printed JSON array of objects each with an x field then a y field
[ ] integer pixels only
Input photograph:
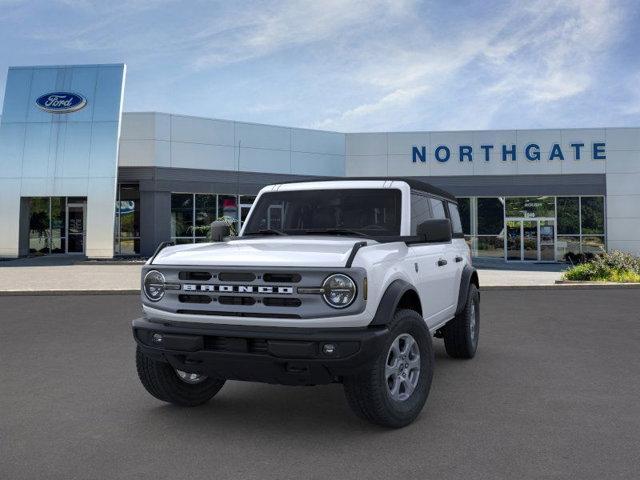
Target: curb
[
  {"x": 38, "y": 293},
  {"x": 136, "y": 291}
]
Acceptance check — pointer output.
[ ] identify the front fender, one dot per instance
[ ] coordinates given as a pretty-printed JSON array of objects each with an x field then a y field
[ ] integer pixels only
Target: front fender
[
  {"x": 390, "y": 300},
  {"x": 469, "y": 276}
]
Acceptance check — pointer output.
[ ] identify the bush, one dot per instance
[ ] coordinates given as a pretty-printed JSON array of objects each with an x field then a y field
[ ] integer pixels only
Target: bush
[{"x": 615, "y": 266}]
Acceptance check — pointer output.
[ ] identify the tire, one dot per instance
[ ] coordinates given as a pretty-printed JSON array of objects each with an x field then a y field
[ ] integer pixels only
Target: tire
[
  {"x": 461, "y": 334},
  {"x": 368, "y": 393},
  {"x": 163, "y": 382}
]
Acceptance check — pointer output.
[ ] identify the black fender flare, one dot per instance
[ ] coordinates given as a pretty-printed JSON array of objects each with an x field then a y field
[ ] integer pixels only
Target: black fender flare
[
  {"x": 469, "y": 276},
  {"x": 390, "y": 300}
]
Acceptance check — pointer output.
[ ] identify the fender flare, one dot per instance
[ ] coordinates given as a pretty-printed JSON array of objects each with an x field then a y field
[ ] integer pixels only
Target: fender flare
[
  {"x": 390, "y": 300},
  {"x": 469, "y": 276}
]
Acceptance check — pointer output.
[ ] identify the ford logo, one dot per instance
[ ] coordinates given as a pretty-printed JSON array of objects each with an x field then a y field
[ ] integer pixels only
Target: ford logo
[{"x": 61, "y": 102}]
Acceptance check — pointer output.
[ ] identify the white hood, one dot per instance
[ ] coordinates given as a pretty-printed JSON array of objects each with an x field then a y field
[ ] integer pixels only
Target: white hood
[{"x": 289, "y": 251}]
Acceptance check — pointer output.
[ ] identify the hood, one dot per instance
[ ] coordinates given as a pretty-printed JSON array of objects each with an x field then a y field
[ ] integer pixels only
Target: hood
[{"x": 289, "y": 251}]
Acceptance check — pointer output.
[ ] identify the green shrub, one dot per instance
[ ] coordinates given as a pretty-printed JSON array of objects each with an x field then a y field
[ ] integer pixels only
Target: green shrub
[{"x": 615, "y": 266}]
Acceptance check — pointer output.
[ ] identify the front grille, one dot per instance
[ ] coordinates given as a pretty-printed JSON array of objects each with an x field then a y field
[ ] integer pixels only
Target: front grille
[
  {"x": 228, "y": 300},
  {"x": 194, "y": 299},
  {"x": 195, "y": 276},
  {"x": 237, "y": 314},
  {"x": 282, "y": 302},
  {"x": 281, "y": 277},
  {"x": 236, "y": 276}
]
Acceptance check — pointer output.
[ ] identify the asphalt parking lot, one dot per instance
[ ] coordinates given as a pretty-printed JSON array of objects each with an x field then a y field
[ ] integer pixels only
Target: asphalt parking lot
[{"x": 554, "y": 392}]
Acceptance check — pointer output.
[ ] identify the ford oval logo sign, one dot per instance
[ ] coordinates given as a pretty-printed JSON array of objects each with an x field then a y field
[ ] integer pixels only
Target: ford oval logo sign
[{"x": 61, "y": 102}]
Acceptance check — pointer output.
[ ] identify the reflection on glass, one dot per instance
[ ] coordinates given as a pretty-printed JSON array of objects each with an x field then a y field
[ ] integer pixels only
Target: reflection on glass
[
  {"x": 464, "y": 207},
  {"x": 593, "y": 244},
  {"x": 568, "y": 244},
  {"x": 530, "y": 240},
  {"x": 490, "y": 246},
  {"x": 205, "y": 214},
  {"x": 530, "y": 207},
  {"x": 181, "y": 214},
  {"x": 568, "y": 216},
  {"x": 547, "y": 242},
  {"x": 514, "y": 240},
  {"x": 490, "y": 216},
  {"x": 592, "y": 215},
  {"x": 39, "y": 225}
]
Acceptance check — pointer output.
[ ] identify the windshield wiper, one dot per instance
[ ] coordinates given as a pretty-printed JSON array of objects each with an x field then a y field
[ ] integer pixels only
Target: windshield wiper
[
  {"x": 336, "y": 231},
  {"x": 265, "y": 231}
]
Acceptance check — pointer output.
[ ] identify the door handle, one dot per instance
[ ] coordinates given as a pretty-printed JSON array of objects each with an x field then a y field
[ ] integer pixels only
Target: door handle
[
  {"x": 442, "y": 262},
  {"x": 458, "y": 259}
]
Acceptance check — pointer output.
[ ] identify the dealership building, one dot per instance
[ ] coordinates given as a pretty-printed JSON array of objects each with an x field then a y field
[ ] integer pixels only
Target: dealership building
[{"x": 80, "y": 176}]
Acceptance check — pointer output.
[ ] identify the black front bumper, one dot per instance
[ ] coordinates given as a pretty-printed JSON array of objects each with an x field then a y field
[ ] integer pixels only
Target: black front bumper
[{"x": 288, "y": 356}]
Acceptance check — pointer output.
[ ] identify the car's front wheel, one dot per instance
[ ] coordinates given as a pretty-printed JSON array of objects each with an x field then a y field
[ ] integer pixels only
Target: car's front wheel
[
  {"x": 175, "y": 386},
  {"x": 392, "y": 390}
]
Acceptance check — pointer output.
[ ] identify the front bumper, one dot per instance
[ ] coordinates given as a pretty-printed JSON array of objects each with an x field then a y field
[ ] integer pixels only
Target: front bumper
[{"x": 288, "y": 356}]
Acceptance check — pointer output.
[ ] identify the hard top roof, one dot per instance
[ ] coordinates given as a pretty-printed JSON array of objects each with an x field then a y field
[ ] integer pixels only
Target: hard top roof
[{"x": 412, "y": 182}]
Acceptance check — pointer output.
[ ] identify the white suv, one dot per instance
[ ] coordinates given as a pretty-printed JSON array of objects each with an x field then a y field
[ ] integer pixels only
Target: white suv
[{"x": 329, "y": 281}]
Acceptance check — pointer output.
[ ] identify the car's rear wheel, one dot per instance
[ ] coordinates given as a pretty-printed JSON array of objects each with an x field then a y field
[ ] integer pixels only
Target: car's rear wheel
[
  {"x": 462, "y": 333},
  {"x": 186, "y": 389},
  {"x": 392, "y": 390}
]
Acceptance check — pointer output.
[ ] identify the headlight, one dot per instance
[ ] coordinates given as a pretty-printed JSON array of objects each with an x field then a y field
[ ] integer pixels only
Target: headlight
[
  {"x": 153, "y": 285},
  {"x": 339, "y": 291}
]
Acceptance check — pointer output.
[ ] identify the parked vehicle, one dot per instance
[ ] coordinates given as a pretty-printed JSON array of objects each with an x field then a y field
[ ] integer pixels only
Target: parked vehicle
[{"x": 329, "y": 281}]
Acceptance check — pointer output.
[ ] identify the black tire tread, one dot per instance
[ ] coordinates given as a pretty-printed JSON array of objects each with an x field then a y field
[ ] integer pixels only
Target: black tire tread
[
  {"x": 455, "y": 333},
  {"x": 160, "y": 380}
]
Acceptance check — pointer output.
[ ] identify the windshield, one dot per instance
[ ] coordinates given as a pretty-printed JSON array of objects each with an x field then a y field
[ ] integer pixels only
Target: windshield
[{"x": 360, "y": 212}]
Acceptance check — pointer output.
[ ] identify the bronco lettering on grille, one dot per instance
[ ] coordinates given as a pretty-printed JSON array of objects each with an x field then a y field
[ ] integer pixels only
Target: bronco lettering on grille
[{"x": 192, "y": 287}]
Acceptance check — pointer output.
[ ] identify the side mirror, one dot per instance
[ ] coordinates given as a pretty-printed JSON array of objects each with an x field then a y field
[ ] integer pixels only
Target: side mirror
[
  {"x": 435, "y": 230},
  {"x": 219, "y": 230}
]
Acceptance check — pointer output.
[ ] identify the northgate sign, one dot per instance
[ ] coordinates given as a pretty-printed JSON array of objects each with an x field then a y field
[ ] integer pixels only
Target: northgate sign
[{"x": 531, "y": 152}]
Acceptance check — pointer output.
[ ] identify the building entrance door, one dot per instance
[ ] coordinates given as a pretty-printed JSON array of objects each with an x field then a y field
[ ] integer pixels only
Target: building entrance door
[
  {"x": 76, "y": 220},
  {"x": 530, "y": 239}
]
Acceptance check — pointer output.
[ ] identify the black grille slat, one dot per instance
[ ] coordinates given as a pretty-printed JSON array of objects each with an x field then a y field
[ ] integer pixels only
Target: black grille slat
[
  {"x": 281, "y": 277},
  {"x": 236, "y": 276},
  {"x": 281, "y": 302},
  {"x": 228, "y": 300},
  {"x": 195, "y": 299},
  {"x": 195, "y": 276}
]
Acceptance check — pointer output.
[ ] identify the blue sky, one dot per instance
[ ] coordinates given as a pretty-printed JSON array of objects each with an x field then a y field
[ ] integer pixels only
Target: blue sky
[{"x": 348, "y": 65}]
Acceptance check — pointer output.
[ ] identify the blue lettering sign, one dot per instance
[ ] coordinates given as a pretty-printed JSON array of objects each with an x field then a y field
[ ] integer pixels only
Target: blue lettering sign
[
  {"x": 535, "y": 155},
  {"x": 419, "y": 154},
  {"x": 486, "y": 148},
  {"x": 598, "y": 151},
  {"x": 511, "y": 151},
  {"x": 447, "y": 153},
  {"x": 556, "y": 152},
  {"x": 466, "y": 151},
  {"x": 577, "y": 147}
]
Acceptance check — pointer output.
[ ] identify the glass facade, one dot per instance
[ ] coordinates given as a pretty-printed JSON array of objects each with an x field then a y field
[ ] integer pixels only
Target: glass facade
[
  {"x": 127, "y": 227},
  {"x": 542, "y": 228},
  {"x": 57, "y": 225},
  {"x": 192, "y": 214}
]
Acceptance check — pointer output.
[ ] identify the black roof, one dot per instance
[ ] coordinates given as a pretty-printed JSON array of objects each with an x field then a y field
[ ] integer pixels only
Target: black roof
[{"x": 413, "y": 184}]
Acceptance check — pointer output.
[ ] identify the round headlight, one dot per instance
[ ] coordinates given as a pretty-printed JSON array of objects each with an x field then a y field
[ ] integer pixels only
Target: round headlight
[
  {"x": 339, "y": 291},
  {"x": 153, "y": 285}
]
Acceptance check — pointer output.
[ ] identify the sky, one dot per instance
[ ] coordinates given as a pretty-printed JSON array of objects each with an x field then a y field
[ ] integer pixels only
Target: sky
[{"x": 351, "y": 65}]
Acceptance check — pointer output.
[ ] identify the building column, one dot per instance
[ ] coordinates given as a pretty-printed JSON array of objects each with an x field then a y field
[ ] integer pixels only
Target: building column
[{"x": 155, "y": 220}]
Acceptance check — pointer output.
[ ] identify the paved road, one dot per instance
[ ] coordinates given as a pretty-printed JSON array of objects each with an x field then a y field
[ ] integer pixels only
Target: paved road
[{"x": 553, "y": 393}]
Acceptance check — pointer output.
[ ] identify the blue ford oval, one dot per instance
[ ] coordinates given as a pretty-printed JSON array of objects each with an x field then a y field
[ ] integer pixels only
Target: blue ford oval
[{"x": 61, "y": 102}]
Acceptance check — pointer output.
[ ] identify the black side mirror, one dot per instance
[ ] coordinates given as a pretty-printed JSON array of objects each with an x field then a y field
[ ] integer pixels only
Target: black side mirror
[
  {"x": 219, "y": 230},
  {"x": 435, "y": 230}
]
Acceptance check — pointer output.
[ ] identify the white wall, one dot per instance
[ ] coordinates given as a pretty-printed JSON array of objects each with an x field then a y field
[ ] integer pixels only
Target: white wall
[{"x": 163, "y": 140}]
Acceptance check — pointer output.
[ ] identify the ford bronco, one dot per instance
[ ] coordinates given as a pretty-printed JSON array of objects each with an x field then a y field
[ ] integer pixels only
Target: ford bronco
[{"x": 328, "y": 281}]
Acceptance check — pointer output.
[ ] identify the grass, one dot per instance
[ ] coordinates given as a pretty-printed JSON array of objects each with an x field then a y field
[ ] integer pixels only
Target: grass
[{"x": 587, "y": 272}]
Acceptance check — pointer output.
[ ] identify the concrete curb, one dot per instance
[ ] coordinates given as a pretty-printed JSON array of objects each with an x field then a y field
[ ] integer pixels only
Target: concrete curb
[
  {"x": 136, "y": 291},
  {"x": 9, "y": 293}
]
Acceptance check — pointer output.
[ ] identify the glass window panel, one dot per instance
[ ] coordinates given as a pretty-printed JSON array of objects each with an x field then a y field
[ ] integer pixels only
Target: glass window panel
[
  {"x": 205, "y": 214},
  {"x": 39, "y": 222},
  {"x": 202, "y": 239},
  {"x": 490, "y": 246},
  {"x": 490, "y": 216},
  {"x": 568, "y": 216},
  {"x": 593, "y": 244},
  {"x": 592, "y": 215},
  {"x": 464, "y": 208},
  {"x": 181, "y": 214},
  {"x": 530, "y": 207},
  {"x": 228, "y": 207},
  {"x": 456, "y": 224},
  {"x": 58, "y": 244},
  {"x": 182, "y": 241},
  {"x": 128, "y": 211},
  {"x": 58, "y": 217},
  {"x": 129, "y": 246},
  {"x": 39, "y": 244},
  {"x": 567, "y": 244},
  {"x": 420, "y": 211},
  {"x": 437, "y": 208},
  {"x": 247, "y": 199}
]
